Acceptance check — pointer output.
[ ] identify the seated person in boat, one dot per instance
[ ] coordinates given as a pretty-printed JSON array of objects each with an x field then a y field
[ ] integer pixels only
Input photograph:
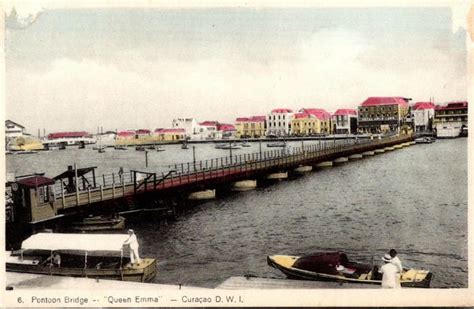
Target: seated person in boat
[{"x": 53, "y": 260}]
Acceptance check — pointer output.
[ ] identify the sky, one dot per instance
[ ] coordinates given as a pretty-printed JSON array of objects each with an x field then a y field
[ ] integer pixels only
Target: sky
[{"x": 124, "y": 68}]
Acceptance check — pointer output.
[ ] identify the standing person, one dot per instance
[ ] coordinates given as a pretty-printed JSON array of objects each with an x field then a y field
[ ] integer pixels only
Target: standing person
[
  {"x": 395, "y": 260},
  {"x": 132, "y": 242},
  {"x": 390, "y": 275}
]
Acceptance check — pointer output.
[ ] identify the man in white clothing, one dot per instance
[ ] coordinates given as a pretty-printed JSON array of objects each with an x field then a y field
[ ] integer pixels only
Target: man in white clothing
[
  {"x": 395, "y": 260},
  {"x": 390, "y": 277},
  {"x": 132, "y": 242}
]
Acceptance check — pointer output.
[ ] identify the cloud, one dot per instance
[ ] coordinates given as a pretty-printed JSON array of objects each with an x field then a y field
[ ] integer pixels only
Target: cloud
[{"x": 330, "y": 69}]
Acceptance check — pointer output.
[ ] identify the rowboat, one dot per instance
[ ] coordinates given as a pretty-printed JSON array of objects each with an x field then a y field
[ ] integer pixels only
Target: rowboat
[
  {"x": 335, "y": 266},
  {"x": 100, "y": 256}
]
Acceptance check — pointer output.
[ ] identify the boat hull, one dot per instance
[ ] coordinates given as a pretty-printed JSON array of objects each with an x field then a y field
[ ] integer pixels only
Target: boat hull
[
  {"x": 100, "y": 224},
  {"x": 284, "y": 264},
  {"x": 145, "y": 271}
]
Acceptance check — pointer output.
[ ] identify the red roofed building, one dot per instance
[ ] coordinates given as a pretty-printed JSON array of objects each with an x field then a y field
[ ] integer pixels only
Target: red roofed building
[
  {"x": 173, "y": 134},
  {"x": 310, "y": 121},
  {"x": 58, "y": 135},
  {"x": 69, "y": 138},
  {"x": 126, "y": 134},
  {"x": 382, "y": 114},
  {"x": 279, "y": 122},
  {"x": 142, "y": 132},
  {"x": 423, "y": 114},
  {"x": 345, "y": 121},
  {"x": 248, "y": 127},
  {"x": 452, "y": 112}
]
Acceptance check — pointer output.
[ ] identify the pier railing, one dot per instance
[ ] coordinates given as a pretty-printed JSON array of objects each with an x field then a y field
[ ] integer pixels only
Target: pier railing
[{"x": 215, "y": 169}]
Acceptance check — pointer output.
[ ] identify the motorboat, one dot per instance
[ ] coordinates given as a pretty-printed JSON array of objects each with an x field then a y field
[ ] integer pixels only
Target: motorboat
[
  {"x": 246, "y": 144},
  {"x": 335, "y": 266},
  {"x": 120, "y": 147},
  {"x": 100, "y": 223},
  {"x": 140, "y": 148},
  {"x": 184, "y": 146},
  {"x": 160, "y": 148},
  {"x": 100, "y": 256},
  {"x": 277, "y": 144}
]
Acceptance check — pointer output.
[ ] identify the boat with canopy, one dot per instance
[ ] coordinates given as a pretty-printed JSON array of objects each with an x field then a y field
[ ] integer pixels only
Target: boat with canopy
[
  {"x": 101, "y": 256},
  {"x": 335, "y": 266}
]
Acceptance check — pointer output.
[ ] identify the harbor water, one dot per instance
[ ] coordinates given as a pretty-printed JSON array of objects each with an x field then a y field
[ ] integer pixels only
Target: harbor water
[{"x": 413, "y": 199}]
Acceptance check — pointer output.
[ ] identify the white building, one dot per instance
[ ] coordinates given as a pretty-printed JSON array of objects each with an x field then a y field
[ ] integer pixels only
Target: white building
[
  {"x": 13, "y": 129},
  {"x": 209, "y": 130},
  {"x": 422, "y": 116},
  {"x": 279, "y": 122},
  {"x": 190, "y": 126},
  {"x": 345, "y": 121}
]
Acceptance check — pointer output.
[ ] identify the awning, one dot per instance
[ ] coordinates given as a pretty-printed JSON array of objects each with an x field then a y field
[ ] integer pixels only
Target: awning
[
  {"x": 75, "y": 242},
  {"x": 70, "y": 173}
]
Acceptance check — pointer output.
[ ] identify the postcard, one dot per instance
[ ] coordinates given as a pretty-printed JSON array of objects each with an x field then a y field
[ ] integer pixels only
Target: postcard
[{"x": 236, "y": 154}]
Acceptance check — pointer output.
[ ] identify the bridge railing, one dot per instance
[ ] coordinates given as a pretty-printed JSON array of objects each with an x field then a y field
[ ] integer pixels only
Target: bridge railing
[{"x": 187, "y": 171}]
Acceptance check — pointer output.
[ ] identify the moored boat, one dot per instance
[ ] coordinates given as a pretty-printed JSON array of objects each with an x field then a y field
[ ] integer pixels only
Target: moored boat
[
  {"x": 277, "y": 144},
  {"x": 100, "y": 223},
  {"x": 423, "y": 140},
  {"x": 98, "y": 256},
  {"x": 335, "y": 266},
  {"x": 140, "y": 148}
]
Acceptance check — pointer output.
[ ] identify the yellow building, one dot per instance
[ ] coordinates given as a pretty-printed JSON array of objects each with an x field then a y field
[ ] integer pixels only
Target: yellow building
[
  {"x": 168, "y": 135},
  {"x": 251, "y": 127},
  {"x": 311, "y": 121}
]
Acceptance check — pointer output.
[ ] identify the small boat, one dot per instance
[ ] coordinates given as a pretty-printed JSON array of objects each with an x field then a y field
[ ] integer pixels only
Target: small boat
[
  {"x": 327, "y": 267},
  {"x": 184, "y": 145},
  {"x": 277, "y": 144},
  {"x": 101, "y": 150},
  {"x": 160, "y": 148},
  {"x": 120, "y": 147},
  {"x": 423, "y": 140},
  {"x": 25, "y": 152},
  {"x": 246, "y": 144},
  {"x": 100, "y": 223},
  {"x": 140, "y": 148},
  {"x": 232, "y": 146},
  {"x": 153, "y": 147},
  {"x": 100, "y": 256},
  {"x": 221, "y": 145}
]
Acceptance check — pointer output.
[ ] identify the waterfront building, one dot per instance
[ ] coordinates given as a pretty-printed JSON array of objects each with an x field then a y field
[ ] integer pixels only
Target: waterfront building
[
  {"x": 451, "y": 120},
  {"x": 323, "y": 116},
  {"x": 190, "y": 125},
  {"x": 70, "y": 138},
  {"x": 208, "y": 129},
  {"x": 125, "y": 135},
  {"x": 422, "y": 116},
  {"x": 279, "y": 122},
  {"x": 250, "y": 127},
  {"x": 382, "y": 114},
  {"x": 305, "y": 124},
  {"x": 173, "y": 134},
  {"x": 311, "y": 121},
  {"x": 345, "y": 121},
  {"x": 452, "y": 112},
  {"x": 13, "y": 129},
  {"x": 225, "y": 130},
  {"x": 107, "y": 138},
  {"x": 142, "y": 133}
]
